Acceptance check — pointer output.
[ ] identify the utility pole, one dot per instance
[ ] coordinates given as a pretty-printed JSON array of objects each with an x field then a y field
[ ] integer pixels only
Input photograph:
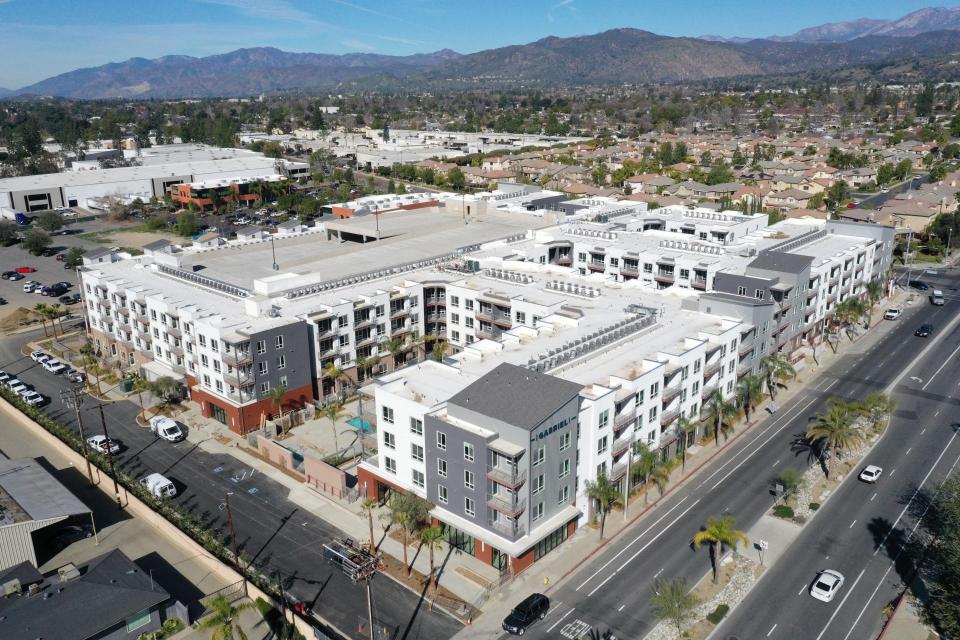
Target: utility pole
[
  {"x": 283, "y": 607},
  {"x": 113, "y": 469},
  {"x": 73, "y": 398},
  {"x": 626, "y": 482},
  {"x": 946, "y": 251}
]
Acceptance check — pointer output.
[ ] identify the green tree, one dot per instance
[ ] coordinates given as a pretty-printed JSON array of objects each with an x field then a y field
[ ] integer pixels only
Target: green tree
[
  {"x": 720, "y": 412},
  {"x": 776, "y": 369},
  {"x": 719, "y": 533},
  {"x": 687, "y": 430},
  {"x": 36, "y": 241},
  {"x": 409, "y": 513},
  {"x": 432, "y": 538},
  {"x": 749, "y": 392},
  {"x": 74, "y": 257},
  {"x": 275, "y": 396},
  {"x": 187, "y": 225},
  {"x": 941, "y": 568},
  {"x": 336, "y": 374},
  {"x": 673, "y": 602},
  {"x": 222, "y": 621},
  {"x": 167, "y": 389},
  {"x": 9, "y": 233},
  {"x": 139, "y": 386},
  {"x": 607, "y": 496},
  {"x": 719, "y": 173},
  {"x": 838, "y": 192},
  {"x": 874, "y": 291},
  {"x": 50, "y": 221},
  {"x": 834, "y": 431},
  {"x": 41, "y": 310},
  {"x": 438, "y": 351},
  {"x": 456, "y": 179},
  {"x": 369, "y": 506},
  {"x": 334, "y": 412},
  {"x": 878, "y": 407}
]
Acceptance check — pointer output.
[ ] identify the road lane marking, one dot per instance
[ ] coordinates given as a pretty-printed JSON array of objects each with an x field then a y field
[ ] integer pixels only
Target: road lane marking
[
  {"x": 908, "y": 451},
  {"x": 827, "y": 388},
  {"x": 893, "y": 562},
  {"x": 893, "y": 472},
  {"x": 924, "y": 430},
  {"x": 771, "y": 630},
  {"x": 632, "y": 542},
  {"x": 949, "y": 358},
  {"x": 916, "y": 492},
  {"x": 776, "y": 463},
  {"x": 872, "y": 497},
  {"x": 802, "y": 589},
  {"x": 851, "y": 524},
  {"x": 621, "y": 607},
  {"x": 605, "y": 581},
  {"x": 837, "y": 610},
  {"x": 550, "y": 628},
  {"x": 657, "y": 574}
]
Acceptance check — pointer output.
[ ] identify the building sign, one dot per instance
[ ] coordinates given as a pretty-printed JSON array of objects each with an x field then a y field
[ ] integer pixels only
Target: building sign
[{"x": 552, "y": 429}]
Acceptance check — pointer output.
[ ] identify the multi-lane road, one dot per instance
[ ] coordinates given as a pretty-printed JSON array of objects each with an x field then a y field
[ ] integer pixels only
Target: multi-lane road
[
  {"x": 283, "y": 539},
  {"x": 612, "y": 591}
]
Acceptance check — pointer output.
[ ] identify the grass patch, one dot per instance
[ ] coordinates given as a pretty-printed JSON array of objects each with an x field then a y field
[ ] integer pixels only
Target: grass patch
[
  {"x": 783, "y": 511},
  {"x": 718, "y": 614},
  {"x": 814, "y": 506},
  {"x": 100, "y": 237}
]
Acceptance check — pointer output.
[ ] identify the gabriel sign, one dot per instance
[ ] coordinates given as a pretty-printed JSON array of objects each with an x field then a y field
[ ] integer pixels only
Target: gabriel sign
[{"x": 556, "y": 427}]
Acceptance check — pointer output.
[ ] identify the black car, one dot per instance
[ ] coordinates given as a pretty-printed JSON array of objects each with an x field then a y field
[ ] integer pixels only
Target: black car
[
  {"x": 924, "y": 331},
  {"x": 71, "y": 533},
  {"x": 534, "y": 608},
  {"x": 919, "y": 285}
]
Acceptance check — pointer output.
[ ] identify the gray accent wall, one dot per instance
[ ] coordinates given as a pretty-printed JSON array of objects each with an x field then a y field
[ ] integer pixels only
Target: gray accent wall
[{"x": 296, "y": 348}]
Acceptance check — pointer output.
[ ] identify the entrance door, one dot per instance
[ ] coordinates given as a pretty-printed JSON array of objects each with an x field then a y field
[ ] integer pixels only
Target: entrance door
[
  {"x": 499, "y": 560},
  {"x": 218, "y": 413}
]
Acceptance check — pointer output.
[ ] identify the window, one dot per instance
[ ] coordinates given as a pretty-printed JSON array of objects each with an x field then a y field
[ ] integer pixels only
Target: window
[
  {"x": 442, "y": 494},
  {"x": 468, "y": 305},
  {"x": 418, "y": 478},
  {"x": 441, "y": 441},
  {"x": 416, "y": 426},
  {"x": 390, "y": 464},
  {"x": 654, "y": 390},
  {"x": 695, "y": 388},
  {"x": 652, "y": 415},
  {"x": 468, "y": 479},
  {"x": 281, "y": 362},
  {"x": 648, "y": 267},
  {"x": 468, "y": 507},
  {"x": 454, "y": 301},
  {"x": 604, "y": 419},
  {"x": 741, "y": 291},
  {"x": 380, "y": 310},
  {"x": 565, "y": 441},
  {"x": 581, "y": 257},
  {"x": 468, "y": 322},
  {"x": 454, "y": 318},
  {"x": 684, "y": 373},
  {"x": 139, "y": 620},
  {"x": 342, "y": 321},
  {"x": 264, "y": 386},
  {"x": 564, "y": 468},
  {"x": 539, "y": 456},
  {"x": 758, "y": 294},
  {"x": 219, "y": 386},
  {"x": 387, "y": 414},
  {"x": 602, "y": 444},
  {"x": 685, "y": 274},
  {"x": 263, "y": 367},
  {"x": 638, "y": 399},
  {"x": 538, "y": 485},
  {"x": 468, "y": 452},
  {"x": 203, "y": 360},
  {"x": 564, "y": 495},
  {"x": 261, "y": 346},
  {"x": 696, "y": 366},
  {"x": 389, "y": 440},
  {"x": 216, "y": 366},
  {"x": 416, "y": 452},
  {"x": 441, "y": 467},
  {"x": 521, "y": 317},
  {"x": 455, "y": 336},
  {"x": 538, "y": 511}
]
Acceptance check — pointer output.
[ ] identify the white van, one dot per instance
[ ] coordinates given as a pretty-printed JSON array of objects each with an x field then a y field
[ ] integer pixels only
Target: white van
[
  {"x": 936, "y": 298},
  {"x": 159, "y": 486}
]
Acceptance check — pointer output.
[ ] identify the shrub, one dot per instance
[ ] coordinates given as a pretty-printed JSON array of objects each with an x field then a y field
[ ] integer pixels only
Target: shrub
[
  {"x": 169, "y": 628},
  {"x": 783, "y": 511},
  {"x": 718, "y": 614},
  {"x": 800, "y": 519},
  {"x": 814, "y": 506}
]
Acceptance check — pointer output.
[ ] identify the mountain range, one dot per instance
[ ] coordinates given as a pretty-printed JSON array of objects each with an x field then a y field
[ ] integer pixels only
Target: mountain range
[{"x": 617, "y": 56}]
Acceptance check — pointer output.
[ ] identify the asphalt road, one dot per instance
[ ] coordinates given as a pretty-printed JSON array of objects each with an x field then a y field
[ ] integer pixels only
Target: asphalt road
[
  {"x": 862, "y": 529},
  {"x": 877, "y": 200},
  {"x": 276, "y": 533},
  {"x": 612, "y": 591}
]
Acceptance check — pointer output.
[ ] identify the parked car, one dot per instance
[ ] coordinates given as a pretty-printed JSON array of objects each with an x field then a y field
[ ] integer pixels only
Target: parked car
[
  {"x": 919, "y": 285},
  {"x": 827, "y": 584},
  {"x": 892, "y": 313},
  {"x": 871, "y": 473},
  {"x": 166, "y": 428},
  {"x": 924, "y": 331},
  {"x": 33, "y": 398},
  {"x": 30, "y": 286},
  {"x": 11, "y": 275},
  {"x": 61, "y": 257},
  {"x": 159, "y": 486},
  {"x": 67, "y": 535},
  {"x": 73, "y": 375},
  {"x": 54, "y": 366},
  {"x": 102, "y": 444},
  {"x": 40, "y": 356},
  {"x": 532, "y": 609},
  {"x": 54, "y": 290},
  {"x": 16, "y": 385},
  {"x": 24, "y": 269},
  {"x": 936, "y": 298}
]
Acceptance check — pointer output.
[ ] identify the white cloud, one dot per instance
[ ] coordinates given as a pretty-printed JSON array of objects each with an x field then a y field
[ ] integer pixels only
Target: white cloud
[
  {"x": 357, "y": 45},
  {"x": 560, "y": 5}
]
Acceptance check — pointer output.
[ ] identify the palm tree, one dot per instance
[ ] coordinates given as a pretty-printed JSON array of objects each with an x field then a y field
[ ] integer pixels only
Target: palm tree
[
  {"x": 834, "y": 430},
  {"x": 749, "y": 391},
  {"x": 409, "y": 512},
  {"x": 334, "y": 412},
  {"x": 275, "y": 395},
  {"x": 776, "y": 368},
  {"x": 139, "y": 386},
  {"x": 719, "y": 411},
  {"x": 718, "y": 533},
  {"x": 688, "y": 432},
  {"x": 874, "y": 291},
  {"x": 431, "y": 537},
  {"x": 222, "y": 620},
  {"x": 607, "y": 496},
  {"x": 645, "y": 462},
  {"x": 672, "y": 601},
  {"x": 41, "y": 310},
  {"x": 336, "y": 374},
  {"x": 417, "y": 341},
  {"x": 368, "y": 506},
  {"x": 396, "y": 346},
  {"x": 439, "y": 350},
  {"x": 57, "y": 313},
  {"x": 365, "y": 365},
  {"x": 165, "y": 388}
]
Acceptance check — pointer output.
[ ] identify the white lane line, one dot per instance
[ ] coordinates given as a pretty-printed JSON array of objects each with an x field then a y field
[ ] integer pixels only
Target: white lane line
[
  {"x": 851, "y": 524},
  {"x": 802, "y": 589},
  {"x": 935, "y": 415},
  {"x": 949, "y": 358},
  {"x": 837, "y": 610},
  {"x": 908, "y": 451},
  {"x": 924, "y": 430},
  {"x": 763, "y": 444},
  {"x": 657, "y": 574},
  {"x": 550, "y": 628},
  {"x": 827, "y": 388},
  {"x": 893, "y": 563},
  {"x": 916, "y": 492},
  {"x": 893, "y": 472},
  {"x": 622, "y": 551},
  {"x": 605, "y": 581},
  {"x": 776, "y": 463},
  {"x": 769, "y": 633},
  {"x": 873, "y": 497},
  {"x": 622, "y": 607}
]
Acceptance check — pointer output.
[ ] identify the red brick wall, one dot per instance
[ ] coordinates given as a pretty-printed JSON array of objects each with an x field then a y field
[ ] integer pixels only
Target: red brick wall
[{"x": 243, "y": 420}]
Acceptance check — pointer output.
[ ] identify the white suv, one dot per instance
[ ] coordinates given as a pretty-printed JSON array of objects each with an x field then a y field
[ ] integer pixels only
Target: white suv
[{"x": 166, "y": 428}]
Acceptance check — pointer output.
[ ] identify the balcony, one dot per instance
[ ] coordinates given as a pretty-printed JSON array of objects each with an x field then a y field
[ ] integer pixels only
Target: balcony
[
  {"x": 399, "y": 313},
  {"x": 699, "y": 283},
  {"x": 665, "y": 277},
  {"x": 597, "y": 266},
  {"x": 624, "y": 420},
  {"x": 621, "y": 445},
  {"x": 631, "y": 270},
  {"x": 507, "y": 476},
  {"x": 711, "y": 369},
  {"x": 364, "y": 340},
  {"x": 363, "y": 322},
  {"x": 563, "y": 261},
  {"x": 669, "y": 394},
  {"x": 745, "y": 348},
  {"x": 436, "y": 317},
  {"x": 237, "y": 358},
  {"x": 176, "y": 332},
  {"x": 240, "y": 378},
  {"x": 511, "y": 529},
  {"x": 618, "y": 471},
  {"x": 708, "y": 390},
  {"x": 667, "y": 417},
  {"x": 508, "y": 506},
  {"x": 326, "y": 331},
  {"x": 744, "y": 369},
  {"x": 435, "y": 302},
  {"x": 490, "y": 333}
]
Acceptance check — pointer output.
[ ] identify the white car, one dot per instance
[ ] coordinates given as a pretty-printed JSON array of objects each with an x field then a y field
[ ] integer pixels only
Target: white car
[
  {"x": 30, "y": 285},
  {"x": 892, "y": 313},
  {"x": 827, "y": 584},
  {"x": 4, "y": 376},
  {"x": 54, "y": 366},
  {"x": 40, "y": 356},
  {"x": 871, "y": 473},
  {"x": 33, "y": 398},
  {"x": 102, "y": 444},
  {"x": 166, "y": 428},
  {"x": 15, "y": 385}
]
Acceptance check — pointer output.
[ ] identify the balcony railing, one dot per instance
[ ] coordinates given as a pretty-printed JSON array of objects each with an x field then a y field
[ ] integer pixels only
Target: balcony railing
[
  {"x": 507, "y": 476},
  {"x": 711, "y": 369},
  {"x": 620, "y": 445},
  {"x": 667, "y": 417},
  {"x": 745, "y": 348},
  {"x": 510, "y": 507},
  {"x": 669, "y": 394},
  {"x": 491, "y": 333},
  {"x": 240, "y": 378},
  {"x": 708, "y": 390},
  {"x": 618, "y": 471},
  {"x": 624, "y": 420},
  {"x": 236, "y": 358},
  {"x": 563, "y": 261},
  {"x": 511, "y": 529},
  {"x": 630, "y": 270},
  {"x": 699, "y": 283},
  {"x": 597, "y": 266},
  {"x": 664, "y": 277}
]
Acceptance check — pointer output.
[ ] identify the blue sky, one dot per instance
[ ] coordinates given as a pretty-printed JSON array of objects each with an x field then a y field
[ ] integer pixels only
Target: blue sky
[{"x": 45, "y": 37}]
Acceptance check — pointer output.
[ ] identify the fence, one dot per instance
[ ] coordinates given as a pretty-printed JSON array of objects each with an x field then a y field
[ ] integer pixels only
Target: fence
[{"x": 232, "y": 593}]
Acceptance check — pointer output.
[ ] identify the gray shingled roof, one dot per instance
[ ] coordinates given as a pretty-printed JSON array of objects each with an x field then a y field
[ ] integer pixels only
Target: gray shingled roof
[
  {"x": 110, "y": 590},
  {"x": 37, "y": 492},
  {"x": 516, "y": 395},
  {"x": 780, "y": 261},
  {"x": 156, "y": 245}
]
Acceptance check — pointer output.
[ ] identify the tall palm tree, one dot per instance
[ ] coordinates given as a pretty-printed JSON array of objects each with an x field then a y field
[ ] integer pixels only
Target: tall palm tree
[
  {"x": 365, "y": 366},
  {"x": 776, "y": 368},
  {"x": 874, "y": 291},
  {"x": 57, "y": 313},
  {"x": 222, "y": 621},
  {"x": 336, "y": 374},
  {"x": 607, "y": 496},
  {"x": 687, "y": 430},
  {"x": 408, "y": 511},
  {"x": 139, "y": 386},
  {"x": 368, "y": 507},
  {"x": 275, "y": 395},
  {"x": 396, "y": 346},
  {"x": 834, "y": 430},
  {"x": 439, "y": 350},
  {"x": 334, "y": 412},
  {"x": 719, "y": 533},
  {"x": 417, "y": 341},
  {"x": 432, "y": 537},
  {"x": 41, "y": 310},
  {"x": 719, "y": 412},
  {"x": 749, "y": 392}
]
